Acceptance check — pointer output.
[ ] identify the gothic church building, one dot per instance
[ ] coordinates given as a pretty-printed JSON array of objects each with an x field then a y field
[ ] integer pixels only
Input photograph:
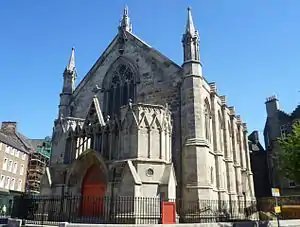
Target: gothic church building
[{"x": 140, "y": 125}]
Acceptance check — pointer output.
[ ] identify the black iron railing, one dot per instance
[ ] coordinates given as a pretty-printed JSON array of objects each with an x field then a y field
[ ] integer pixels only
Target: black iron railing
[{"x": 127, "y": 210}]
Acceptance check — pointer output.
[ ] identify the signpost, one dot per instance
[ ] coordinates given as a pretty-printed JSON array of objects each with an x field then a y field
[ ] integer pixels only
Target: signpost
[{"x": 277, "y": 208}]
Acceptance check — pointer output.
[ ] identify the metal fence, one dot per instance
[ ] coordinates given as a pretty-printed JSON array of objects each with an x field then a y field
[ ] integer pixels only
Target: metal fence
[{"x": 126, "y": 210}]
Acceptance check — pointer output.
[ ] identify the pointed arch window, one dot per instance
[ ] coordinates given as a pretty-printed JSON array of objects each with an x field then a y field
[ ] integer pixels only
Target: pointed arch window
[
  {"x": 221, "y": 128},
  {"x": 120, "y": 89},
  {"x": 211, "y": 175},
  {"x": 207, "y": 117},
  {"x": 230, "y": 136}
]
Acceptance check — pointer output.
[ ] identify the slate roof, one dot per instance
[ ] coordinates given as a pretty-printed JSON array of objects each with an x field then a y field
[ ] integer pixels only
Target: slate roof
[{"x": 11, "y": 142}]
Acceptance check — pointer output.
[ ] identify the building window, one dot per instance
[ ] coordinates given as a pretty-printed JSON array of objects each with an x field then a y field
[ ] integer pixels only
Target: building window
[
  {"x": 12, "y": 184},
  {"x": 20, "y": 185},
  {"x": 7, "y": 182},
  {"x": 12, "y": 151},
  {"x": 22, "y": 170},
  {"x": 10, "y": 166},
  {"x": 2, "y": 181},
  {"x": 23, "y": 156},
  {"x": 221, "y": 127},
  {"x": 238, "y": 138},
  {"x": 120, "y": 90},
  {"x": 17, "y": 153},
  {"x": 292, "y": 184},
  {"x": 5, "y": 161},
  {"x": 7, "y": 149},
  {"x": 1, "y": 144},
  {"x": 283, "y": 131},
  {"x": 15, "y": 167},
  {"x": 207, "y": 118}
]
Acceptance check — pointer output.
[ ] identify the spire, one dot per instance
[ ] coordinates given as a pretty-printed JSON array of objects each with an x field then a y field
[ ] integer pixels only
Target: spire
[
  {"x": 125, "y": 22},
  {"x": 191, "y": 50},
  {"x": 190, "y": 28},
  {"x": 71, "y": 66}
]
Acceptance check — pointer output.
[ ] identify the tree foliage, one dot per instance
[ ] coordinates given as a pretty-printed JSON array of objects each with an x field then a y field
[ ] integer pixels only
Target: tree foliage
[{"x": 289, "y": 154}]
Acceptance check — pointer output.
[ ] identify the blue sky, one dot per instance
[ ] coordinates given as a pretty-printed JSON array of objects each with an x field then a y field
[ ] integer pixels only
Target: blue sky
[{"x": 250, "y": 48}]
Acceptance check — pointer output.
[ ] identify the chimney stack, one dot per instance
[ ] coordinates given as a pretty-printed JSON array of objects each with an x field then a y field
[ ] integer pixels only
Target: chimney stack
[
  {"x": 9, "y": 127},
  {"x": 272, "y": 106}
]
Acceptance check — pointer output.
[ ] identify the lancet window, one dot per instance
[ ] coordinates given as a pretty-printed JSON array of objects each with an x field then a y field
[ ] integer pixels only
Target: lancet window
[
  {"x": 221, "y": 128},
  {"x": 120, "y": 89},
  {"x": 207, "y": 117},
  {"x": 230, "y": 136}
]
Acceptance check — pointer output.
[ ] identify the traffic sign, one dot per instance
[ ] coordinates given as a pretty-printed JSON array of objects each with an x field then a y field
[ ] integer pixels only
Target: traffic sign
[{"x": 275, "y": 192}]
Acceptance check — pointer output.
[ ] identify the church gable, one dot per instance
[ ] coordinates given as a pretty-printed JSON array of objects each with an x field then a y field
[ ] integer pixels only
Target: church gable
[
  {"x": 94, "y": 115},
  {"x": 128, "y": 61}
]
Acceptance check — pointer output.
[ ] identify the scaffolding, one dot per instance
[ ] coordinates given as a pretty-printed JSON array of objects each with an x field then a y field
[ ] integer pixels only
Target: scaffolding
[{"x": 38, "y": 161}]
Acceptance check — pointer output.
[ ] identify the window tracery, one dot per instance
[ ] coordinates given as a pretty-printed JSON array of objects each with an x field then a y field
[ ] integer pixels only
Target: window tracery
[{"x": 120, "y": 90}]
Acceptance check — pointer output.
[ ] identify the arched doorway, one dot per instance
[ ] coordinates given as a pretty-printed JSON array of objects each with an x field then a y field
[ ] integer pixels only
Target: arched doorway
[{"x": 93, "y": 191}]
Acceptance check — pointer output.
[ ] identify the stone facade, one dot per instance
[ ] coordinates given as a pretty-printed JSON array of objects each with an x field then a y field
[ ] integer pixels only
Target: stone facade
[
  {"x": 278, "y": 125},
  {"x": 161, "y": 125}
]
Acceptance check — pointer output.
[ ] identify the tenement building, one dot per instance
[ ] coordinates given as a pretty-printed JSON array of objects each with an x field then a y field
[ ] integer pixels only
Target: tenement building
[
  {"x": 140, "y": 125},
  {"x": 14, "y": 161},
  {"x": 278, "y": 125}
]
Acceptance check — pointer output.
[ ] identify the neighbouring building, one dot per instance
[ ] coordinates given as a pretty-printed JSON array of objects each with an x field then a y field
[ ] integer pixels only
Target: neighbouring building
[
  {"x": 38, "y": 161},
  {"x": 259, "y": 166},
  {"x": 140, "y": 125},
  {"x": 14, "y": 161},
  {"x": 278, "y": 125}
]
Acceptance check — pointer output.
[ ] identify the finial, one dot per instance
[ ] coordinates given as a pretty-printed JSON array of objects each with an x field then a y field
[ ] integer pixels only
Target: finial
[
  {"x": 125, "y": 10},
  {"x": 190, "y": 28},
  {"x": 130, "y": 103},
  {"x": 167, "y": 107},
  {"x": 71, "y": 65},
  {"x": 125, "y": 22}
]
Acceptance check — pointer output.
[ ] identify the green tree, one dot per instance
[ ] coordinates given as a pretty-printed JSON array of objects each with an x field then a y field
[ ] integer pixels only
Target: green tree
[{"x": 289, "y": 154}]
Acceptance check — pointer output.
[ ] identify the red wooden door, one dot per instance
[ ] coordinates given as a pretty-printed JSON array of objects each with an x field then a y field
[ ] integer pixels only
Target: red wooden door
[
  {"x": 168, "y": 213},
  {"x": 93, "y": 192}
]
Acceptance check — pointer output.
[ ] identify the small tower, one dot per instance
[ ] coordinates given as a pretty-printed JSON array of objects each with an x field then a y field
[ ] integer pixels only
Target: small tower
[
  {"x": 191, "y": 53},
  {"x": 125, "y": 22},
  {"x": 195, "y": 151},
  {"x": 68, "y": 86}
]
